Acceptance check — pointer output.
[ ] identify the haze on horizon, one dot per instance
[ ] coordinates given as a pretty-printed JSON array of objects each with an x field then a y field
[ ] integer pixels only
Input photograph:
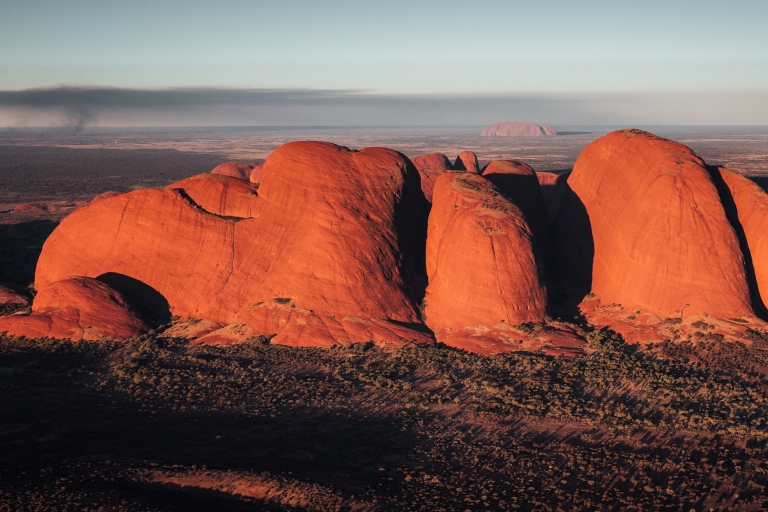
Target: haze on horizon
[{"x": 404, "y": 63}]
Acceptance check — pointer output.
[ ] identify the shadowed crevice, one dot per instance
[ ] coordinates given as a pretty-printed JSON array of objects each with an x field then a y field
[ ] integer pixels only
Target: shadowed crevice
[{"x": 147, "y": 302}]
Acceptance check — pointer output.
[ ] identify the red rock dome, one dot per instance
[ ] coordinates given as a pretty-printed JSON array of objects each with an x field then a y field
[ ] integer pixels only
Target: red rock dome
[
  {"x": 660, "y": 239},
  {"x": 221, "y": 195},
  {"x": 430, "y": 166},
  {"x": 331, "y": 252},
  {"x": 482, "y": 266},
  {"x": 466, "y": 161},
  {"x": 77, "y": 308}
]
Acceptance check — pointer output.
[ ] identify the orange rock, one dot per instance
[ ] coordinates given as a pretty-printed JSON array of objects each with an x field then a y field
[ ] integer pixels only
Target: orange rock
[
  {"x": 255, "y": 176},
  {"x": 220, "y": 195},
  {"x": 77, "y": 308},
  {"x": 333, "y": 246},
  {"x": 661, "y": 241},
  {"x": 482, "y": 266},
  {"x": 517, "y": 130},
  {"x": 748, "y": 204},
  {"x": 105, "y": 195},
  {"x": 466, "y": 161},
  {"x": 430, "y": 167},
  {"x": 553, "y": 189},
  {"x": 9, "y": 296},
  {"x": 240, "y": 170},
  {"x": 518, "y": 182}
]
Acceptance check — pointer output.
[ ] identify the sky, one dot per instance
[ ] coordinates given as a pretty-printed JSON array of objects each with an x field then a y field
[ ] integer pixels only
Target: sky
[{"x": 398, "y": 62}]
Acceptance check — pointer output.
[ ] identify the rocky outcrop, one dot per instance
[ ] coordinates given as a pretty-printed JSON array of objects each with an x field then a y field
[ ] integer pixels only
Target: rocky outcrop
[
  {"x": 466, "y": 161},
  {"x": 331, "y": 251},
  {"x": 517, "y": 181},
  {"x": 430, "y": 167},
  {"x": 77, "y": 308},
  {"x": 517, "y": 130},
  {"x": 748, "y": 204},
  {"x": 484, "y": 273},
  {"x": 642, "y": 225},
  {"x": 241, "y": 170},
  {"x": 105, "y": 195},
  {"x": 221, "y": 195},
  {"x": 255, "y": 176}
]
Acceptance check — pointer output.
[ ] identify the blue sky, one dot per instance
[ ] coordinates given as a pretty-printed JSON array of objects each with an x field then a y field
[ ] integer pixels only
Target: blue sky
[{"x": 423, "y": 48}]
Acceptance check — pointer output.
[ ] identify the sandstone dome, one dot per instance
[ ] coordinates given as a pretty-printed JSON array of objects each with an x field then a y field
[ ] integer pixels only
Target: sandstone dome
[
  {"x": 241, "y": 170},
  {"x": 466, "y": 161},
  {"x": 430, "y": 166}
]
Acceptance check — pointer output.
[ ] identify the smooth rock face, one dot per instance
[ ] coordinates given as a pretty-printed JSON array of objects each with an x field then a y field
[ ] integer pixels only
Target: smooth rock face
[
  {"x": 430, "y": 167},
  {"x": 241, "y": 170},
  {"x": 221, "y": 195},
  {"x": 466, "y": 161},
  {"x": 517, "y": 181},
  {"x": 661, "y": 241},
  {"x": 77, "y": 308},
  {"x": 482, "y": 266},
  {"x": 517, "y": 130},
  {"x": 553, "y": 189},
  {"x": 751, "y": 208},
  {"x": 332, "y": 251}
]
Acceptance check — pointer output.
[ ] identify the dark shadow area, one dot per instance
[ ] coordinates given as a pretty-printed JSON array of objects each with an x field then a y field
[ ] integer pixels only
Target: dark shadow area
[
  {"x": 762, "y": 181},
  {"x": 410, "y": 218},
  {"x": 732, "y": 214},
  {"x": 574, "y": 252},
  {"x": 150, "y": 304},
  {"x": 20, "y": 247}
]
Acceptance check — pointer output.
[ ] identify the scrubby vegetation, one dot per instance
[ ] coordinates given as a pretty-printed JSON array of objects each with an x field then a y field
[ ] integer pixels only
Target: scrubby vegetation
[{"x": 158, "y": 424}]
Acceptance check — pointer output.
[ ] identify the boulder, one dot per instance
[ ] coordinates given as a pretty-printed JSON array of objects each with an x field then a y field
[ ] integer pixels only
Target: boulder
[
  {"x": 553, "y": 189},
  {"x": 517, "y": 181},
  {"x": 241, "y": 170},
  {"x": 484, "y": 273},
  {"x": 77, "y": 308},
  {"x": 642, "y": 227},
  {"x": 748, "y": 204},
  {"x": 221, "y": 195},
  {"x": 332, "y": 247},
  {"x": 466, "y": 161},
  {"x": 517, "y": 130}
]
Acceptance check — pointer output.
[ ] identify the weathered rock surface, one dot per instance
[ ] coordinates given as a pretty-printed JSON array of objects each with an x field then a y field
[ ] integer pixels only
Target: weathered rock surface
[
  {"x": 331, "y": 252},
  {"x": 749, "y": 202},
  {"x": 646, "y": 221},
  {"x": 517, "y": 181},
  {"x": 517, "y": 130},
  {"x": 221, "y": 195},
  {"x": 466, "y": 161},
  {"x": 77, "y": 308},
  {"x": 482, "y": 265},
  {"x": 430, "y": 167},
  {"x": 241, "y": 170},
  {"x": 553, "y": 189}
]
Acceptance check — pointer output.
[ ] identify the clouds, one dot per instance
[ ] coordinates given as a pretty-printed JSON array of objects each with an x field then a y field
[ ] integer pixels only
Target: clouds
[{"x": 77, "y": 107}]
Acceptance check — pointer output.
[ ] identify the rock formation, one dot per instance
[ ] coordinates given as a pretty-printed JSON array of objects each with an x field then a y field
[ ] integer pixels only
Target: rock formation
[
  {"x": 466, "y": 161},
  {"x": 331, "y": 252},
  {"x": 518, "y": 183},
  {"x": 77, "y": 308},
  {"x": 517, "y": 130},
  {"x": 482, "y": 266},
  {"x": 749, "y": 206},
  {"x": 648, "y": 231},
  {"x": 255, "y": 176},
  {"x": 430, "y": 166},
  {"x": 240, "y": 170},
  {"x": 105, "y": 195},
  {"x": 221, "y": 195}
]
